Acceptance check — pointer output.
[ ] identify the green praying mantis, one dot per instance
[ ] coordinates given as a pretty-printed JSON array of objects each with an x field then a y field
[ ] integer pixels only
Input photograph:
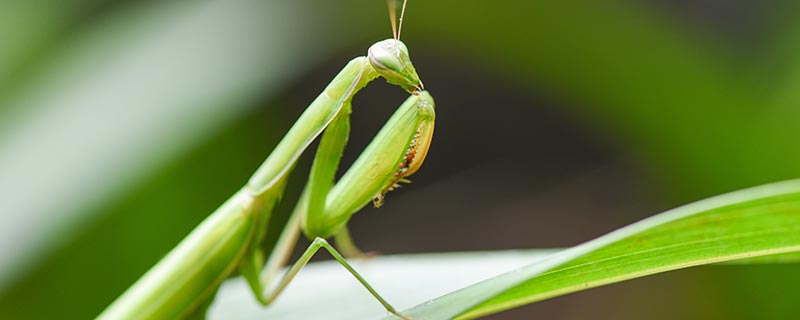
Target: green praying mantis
[{"x": 184, "y": 282}]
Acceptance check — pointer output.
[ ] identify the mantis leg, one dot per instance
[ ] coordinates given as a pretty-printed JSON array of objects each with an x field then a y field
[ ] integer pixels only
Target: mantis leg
[{"x": 317, "y": 244}]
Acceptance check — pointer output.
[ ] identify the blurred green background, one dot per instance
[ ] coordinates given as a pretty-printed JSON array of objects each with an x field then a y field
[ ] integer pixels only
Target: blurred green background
[{"x": 124, "y": 123}]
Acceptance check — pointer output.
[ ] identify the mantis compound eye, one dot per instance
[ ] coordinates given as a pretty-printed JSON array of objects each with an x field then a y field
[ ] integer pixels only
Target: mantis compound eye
[{"x": 390, "y": 59}]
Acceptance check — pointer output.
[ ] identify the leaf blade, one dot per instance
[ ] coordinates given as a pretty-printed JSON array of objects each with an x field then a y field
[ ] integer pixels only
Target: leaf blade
[{"x": 749, "y": 223}]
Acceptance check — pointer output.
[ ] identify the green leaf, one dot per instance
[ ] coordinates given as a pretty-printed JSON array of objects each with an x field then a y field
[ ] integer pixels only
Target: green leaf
[{"x": 755, "y": 222}]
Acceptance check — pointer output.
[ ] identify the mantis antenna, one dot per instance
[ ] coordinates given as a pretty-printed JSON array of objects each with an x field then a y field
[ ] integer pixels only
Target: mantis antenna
[{"x": 393, "y": 17}]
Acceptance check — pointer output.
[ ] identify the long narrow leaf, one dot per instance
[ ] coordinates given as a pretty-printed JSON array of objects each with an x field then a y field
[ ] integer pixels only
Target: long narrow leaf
[{"x": 755, "y": 222}]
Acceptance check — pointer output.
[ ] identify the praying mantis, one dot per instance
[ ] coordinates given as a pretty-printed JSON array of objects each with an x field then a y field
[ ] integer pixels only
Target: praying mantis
[{"x": 184, "y": 282}]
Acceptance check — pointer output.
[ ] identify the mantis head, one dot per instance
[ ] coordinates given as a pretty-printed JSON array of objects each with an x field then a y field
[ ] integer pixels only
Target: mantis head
[{"x": 390, "y": 59}]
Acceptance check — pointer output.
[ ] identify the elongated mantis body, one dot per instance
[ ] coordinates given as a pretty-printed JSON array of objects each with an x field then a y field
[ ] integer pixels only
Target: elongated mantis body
[{"x": 184, "y": 282}]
